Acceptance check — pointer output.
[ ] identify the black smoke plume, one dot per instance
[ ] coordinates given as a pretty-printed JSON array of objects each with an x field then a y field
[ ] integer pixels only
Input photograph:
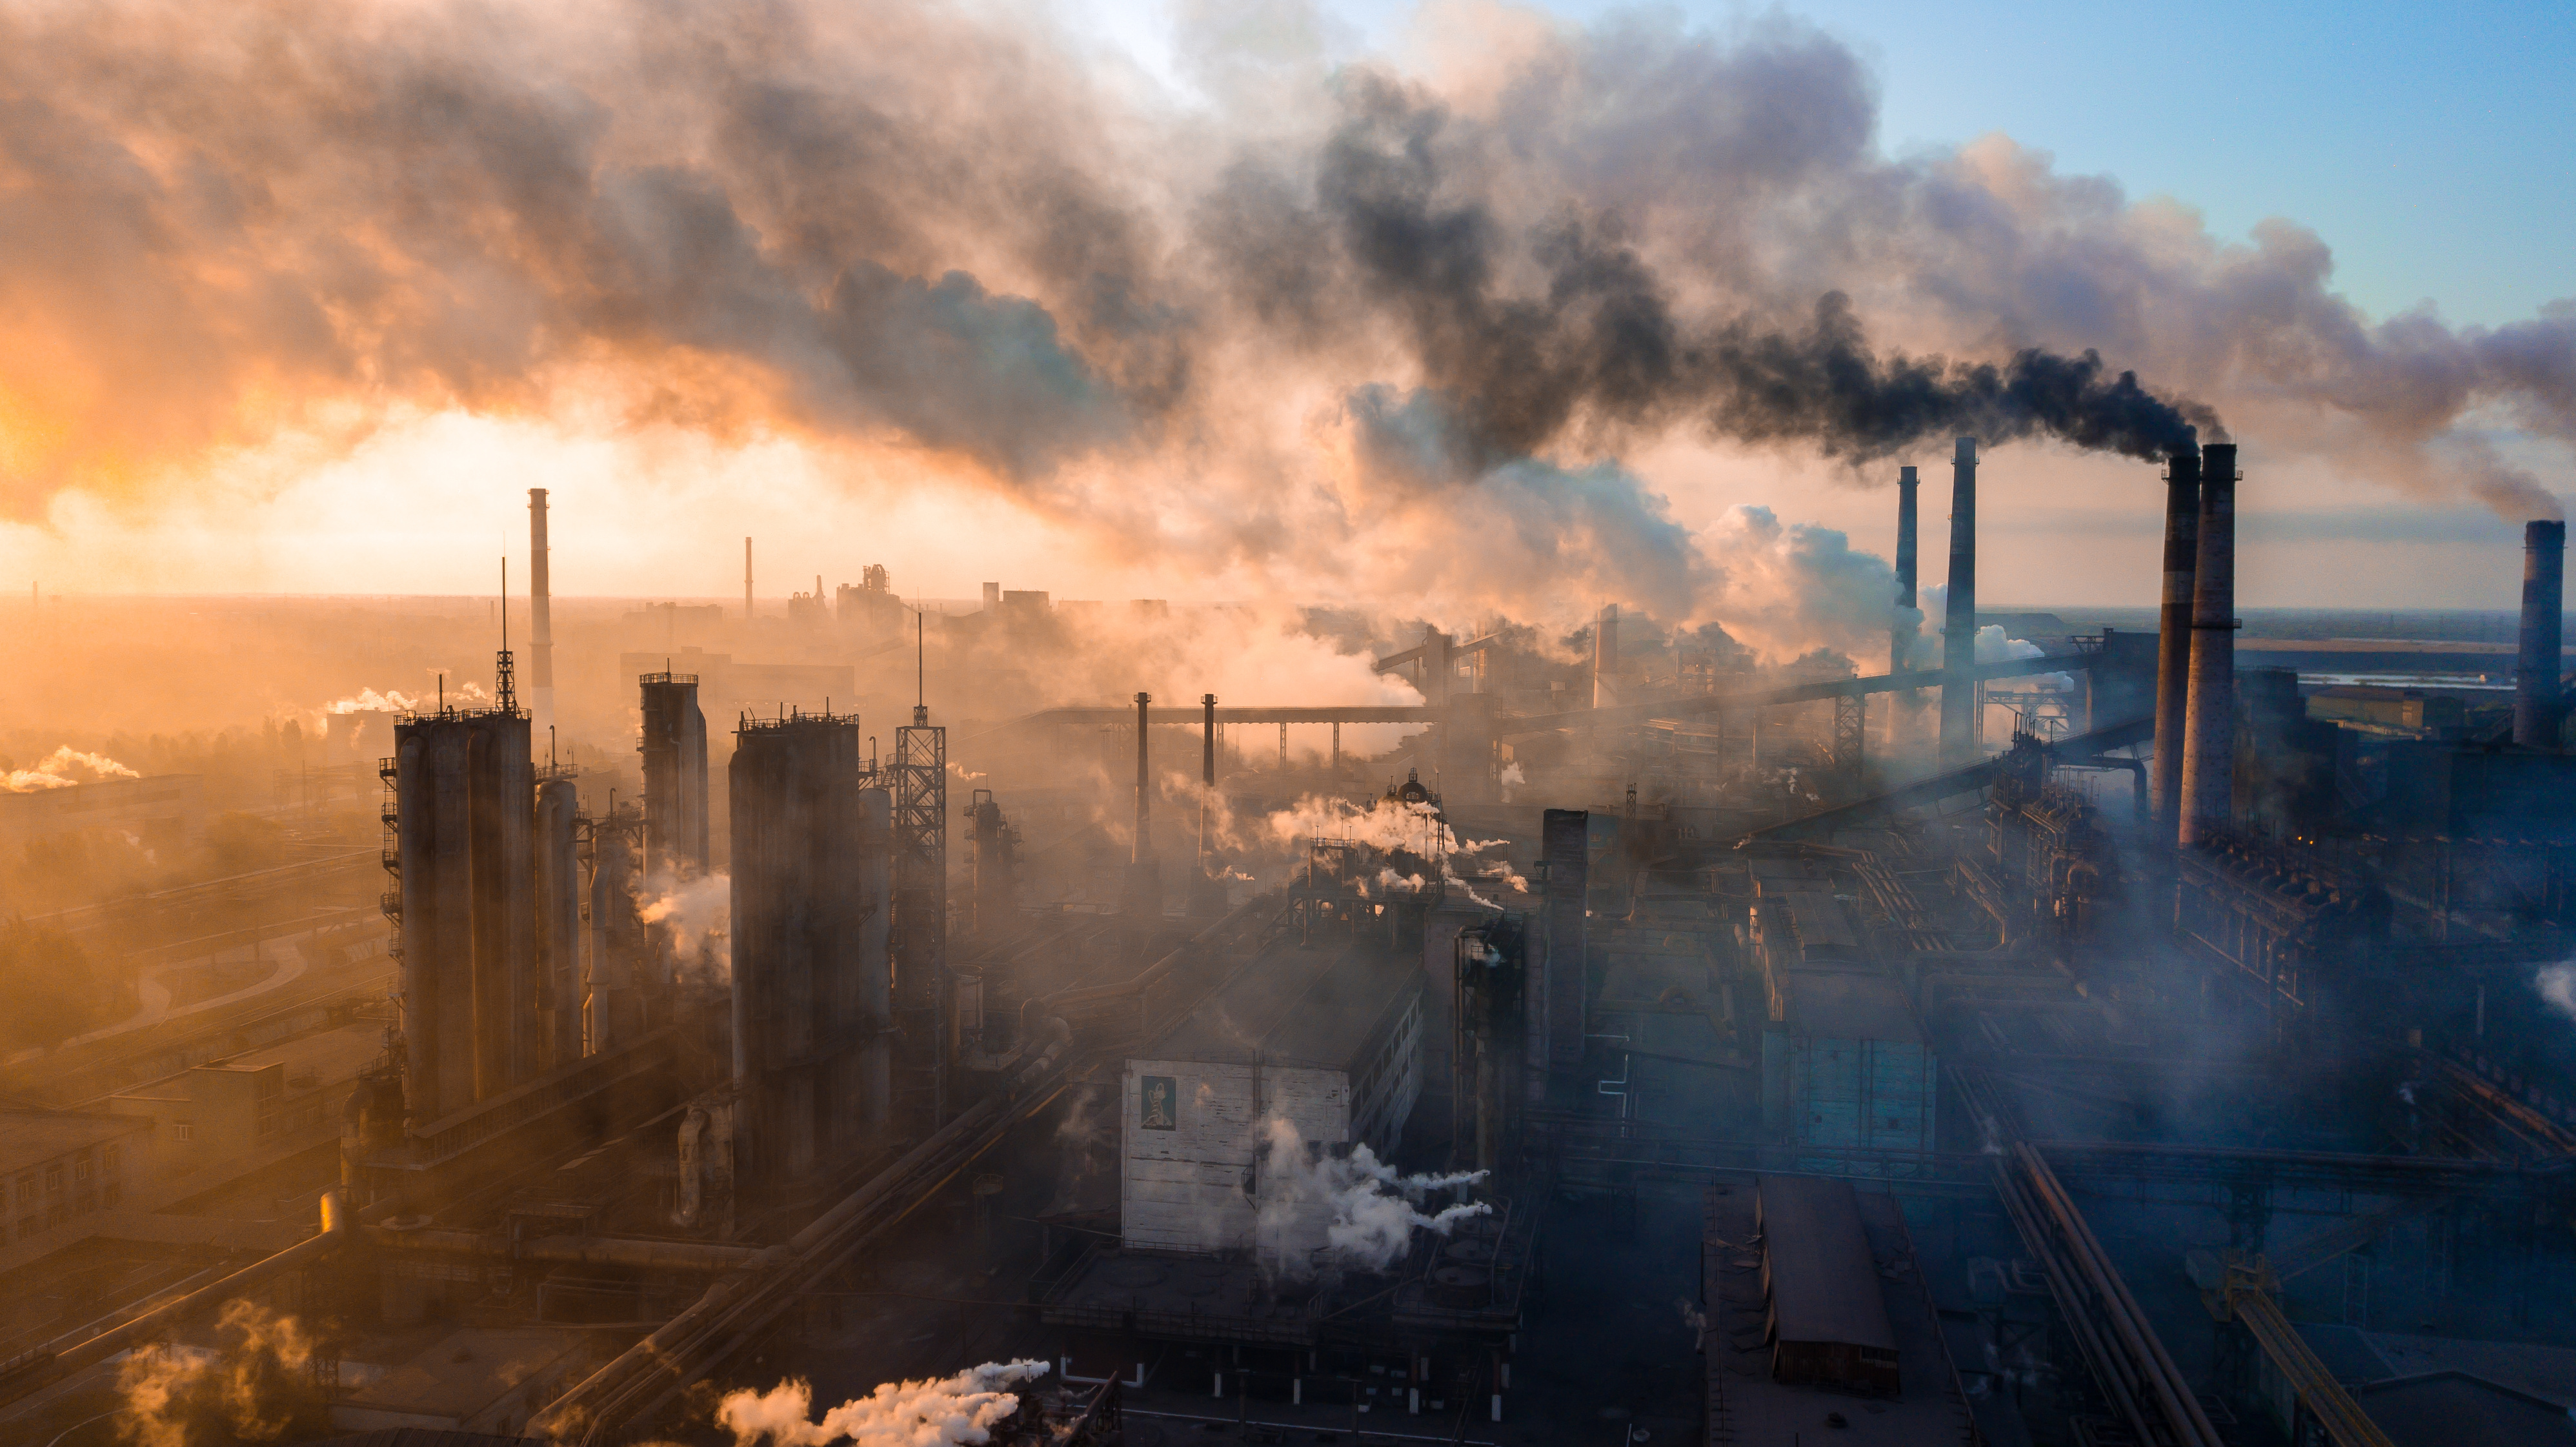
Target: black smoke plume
[{"x": 1594, "y": 346}]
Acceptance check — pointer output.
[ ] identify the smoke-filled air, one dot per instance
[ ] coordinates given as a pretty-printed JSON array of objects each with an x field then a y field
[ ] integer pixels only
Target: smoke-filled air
[{"x": 1305, "y": 721}]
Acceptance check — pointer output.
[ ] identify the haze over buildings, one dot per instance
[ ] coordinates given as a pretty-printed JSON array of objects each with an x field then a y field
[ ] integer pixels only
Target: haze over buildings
[{"x": 1480, "y": 735}]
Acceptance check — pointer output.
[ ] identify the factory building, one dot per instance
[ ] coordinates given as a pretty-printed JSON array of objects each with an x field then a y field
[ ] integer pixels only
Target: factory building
[
  {"x": 810, "y": 999},
  {"x": 2279, "y": 1020},
  {"x": 1329, "y": 1042},
  {"x": 675, "y": 775},
  {"x": 61, "y": 1169},
  {"x": 1845, "y": 1062},
  {"x": 464, "y": 788}
]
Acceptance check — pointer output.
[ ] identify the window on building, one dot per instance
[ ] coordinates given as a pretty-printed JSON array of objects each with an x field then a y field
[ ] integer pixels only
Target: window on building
[
  {"x": 26, "y": 1188},
  {"x": 56, "y": 1214},
  {"x": 82, "y": 1165},
  {"x": 270, "y": 1094},
  {"x": 115, "y": 1194},
  {"x": 30, "y": 1227},
  {"x": 183, "y": 1130},
  {"x": 54, "y": 1179},
  {"x": 111, "y": 1159},
  {"x": 88, "y": 1202}
]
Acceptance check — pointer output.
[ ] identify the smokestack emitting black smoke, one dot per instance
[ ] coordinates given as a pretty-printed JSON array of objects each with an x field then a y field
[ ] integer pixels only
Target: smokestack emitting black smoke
[
  {"x": 1902, "y": 632},
  {"x": 2209, "y": 736},
  {"x": 1959, "y": 618},
  {"x": 2173, "y": 636}
]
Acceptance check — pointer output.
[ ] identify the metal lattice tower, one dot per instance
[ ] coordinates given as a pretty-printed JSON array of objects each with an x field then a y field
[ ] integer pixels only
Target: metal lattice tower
[
  {"x": 920, "y": 847},
  {"x": 1851, "y": 726}
]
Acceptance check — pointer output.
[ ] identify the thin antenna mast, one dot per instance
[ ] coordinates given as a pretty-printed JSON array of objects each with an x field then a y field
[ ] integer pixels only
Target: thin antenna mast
[{"x": 920, "y": 673}]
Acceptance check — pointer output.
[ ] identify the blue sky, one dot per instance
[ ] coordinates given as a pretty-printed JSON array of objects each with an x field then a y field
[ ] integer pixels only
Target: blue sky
[{"x": 2433, "y": 146}]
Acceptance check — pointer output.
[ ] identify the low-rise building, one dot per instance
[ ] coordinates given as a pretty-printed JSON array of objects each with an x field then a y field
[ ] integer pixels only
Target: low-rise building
[
  {"x": 60, "y": 1170},
  {"x": 216, "y": 1122},
  {"x": 1330, "y": 1043}
]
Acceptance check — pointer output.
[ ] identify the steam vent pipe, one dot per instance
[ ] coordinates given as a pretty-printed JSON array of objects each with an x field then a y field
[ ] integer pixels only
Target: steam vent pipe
[
  {"x": 1959, "y": 621},
  {"x": 1901, "y": 633},
  {"x": 2209, "y": 736},
  {"x": 2536, "y": 703},
  {"x": 1207, "y": 772},
  {"x": 2173, "y": 636}
]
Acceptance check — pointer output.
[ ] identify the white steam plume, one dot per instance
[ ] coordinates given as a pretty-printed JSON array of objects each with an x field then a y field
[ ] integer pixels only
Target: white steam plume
[
  {"x": 63, "y": 768},
  {"x": 698, "y": 913},
  {"x": 961, "y": 1409},
  {"x": 2557, "y": 985},
  {"x": 1319, "y": 1209}
]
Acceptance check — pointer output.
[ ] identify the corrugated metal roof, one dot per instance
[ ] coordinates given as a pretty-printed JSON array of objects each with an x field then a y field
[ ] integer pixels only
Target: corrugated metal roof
[{"x": 1824, "y": 1282}]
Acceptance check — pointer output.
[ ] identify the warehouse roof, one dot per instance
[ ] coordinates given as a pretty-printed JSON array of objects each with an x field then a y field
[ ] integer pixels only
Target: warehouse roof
[{"x": 1823, "y": 1280}]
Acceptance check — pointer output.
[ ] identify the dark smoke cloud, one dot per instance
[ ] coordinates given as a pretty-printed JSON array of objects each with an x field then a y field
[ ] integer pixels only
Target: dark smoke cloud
[
  {"x": 218, "y": 220},
  {"x": 1594, "y": 339},
  {"x": 945, "y": 230}
]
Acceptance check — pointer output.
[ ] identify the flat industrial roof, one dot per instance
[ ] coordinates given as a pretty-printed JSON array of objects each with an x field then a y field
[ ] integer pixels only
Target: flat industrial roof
[
  {"x": 1824, "y": 1282},
  {"x": 332, "y": 1054},
  {"x": 1847, "y": 1006},
  {"x": 29, "y": 1137},
  {"x": 1294, "y": 1007},
  {"x": 1817, "y": 922}
]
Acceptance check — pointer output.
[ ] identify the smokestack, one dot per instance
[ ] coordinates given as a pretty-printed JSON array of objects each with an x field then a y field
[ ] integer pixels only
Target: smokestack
[
  {"x": 2209, "y": 738},
  {"x": 992, "y": 597},
  {"x": 1144, "y": 874},
  {"x": 1959, "y": 620},
  {"x": 1605, "y": 657},
  {"x": 2536, "y": 707},
  {"x": 1144, "y": 785},
  {"x": 2173, "y": 636},
  {"x": 1900, "y": 641},
  {"x": 1207, "y": 773},
  {"x": 541, "y": 659},
  {"x": 746, "y": 580}
]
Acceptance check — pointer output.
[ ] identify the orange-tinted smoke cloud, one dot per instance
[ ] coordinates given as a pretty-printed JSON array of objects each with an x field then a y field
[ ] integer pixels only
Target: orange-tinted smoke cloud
[{"x": 1281, "y": 332}]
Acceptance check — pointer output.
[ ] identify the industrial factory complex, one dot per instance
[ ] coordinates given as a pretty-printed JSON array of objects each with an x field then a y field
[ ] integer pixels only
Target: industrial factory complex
[{"x": 2141, "y": 1033}]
